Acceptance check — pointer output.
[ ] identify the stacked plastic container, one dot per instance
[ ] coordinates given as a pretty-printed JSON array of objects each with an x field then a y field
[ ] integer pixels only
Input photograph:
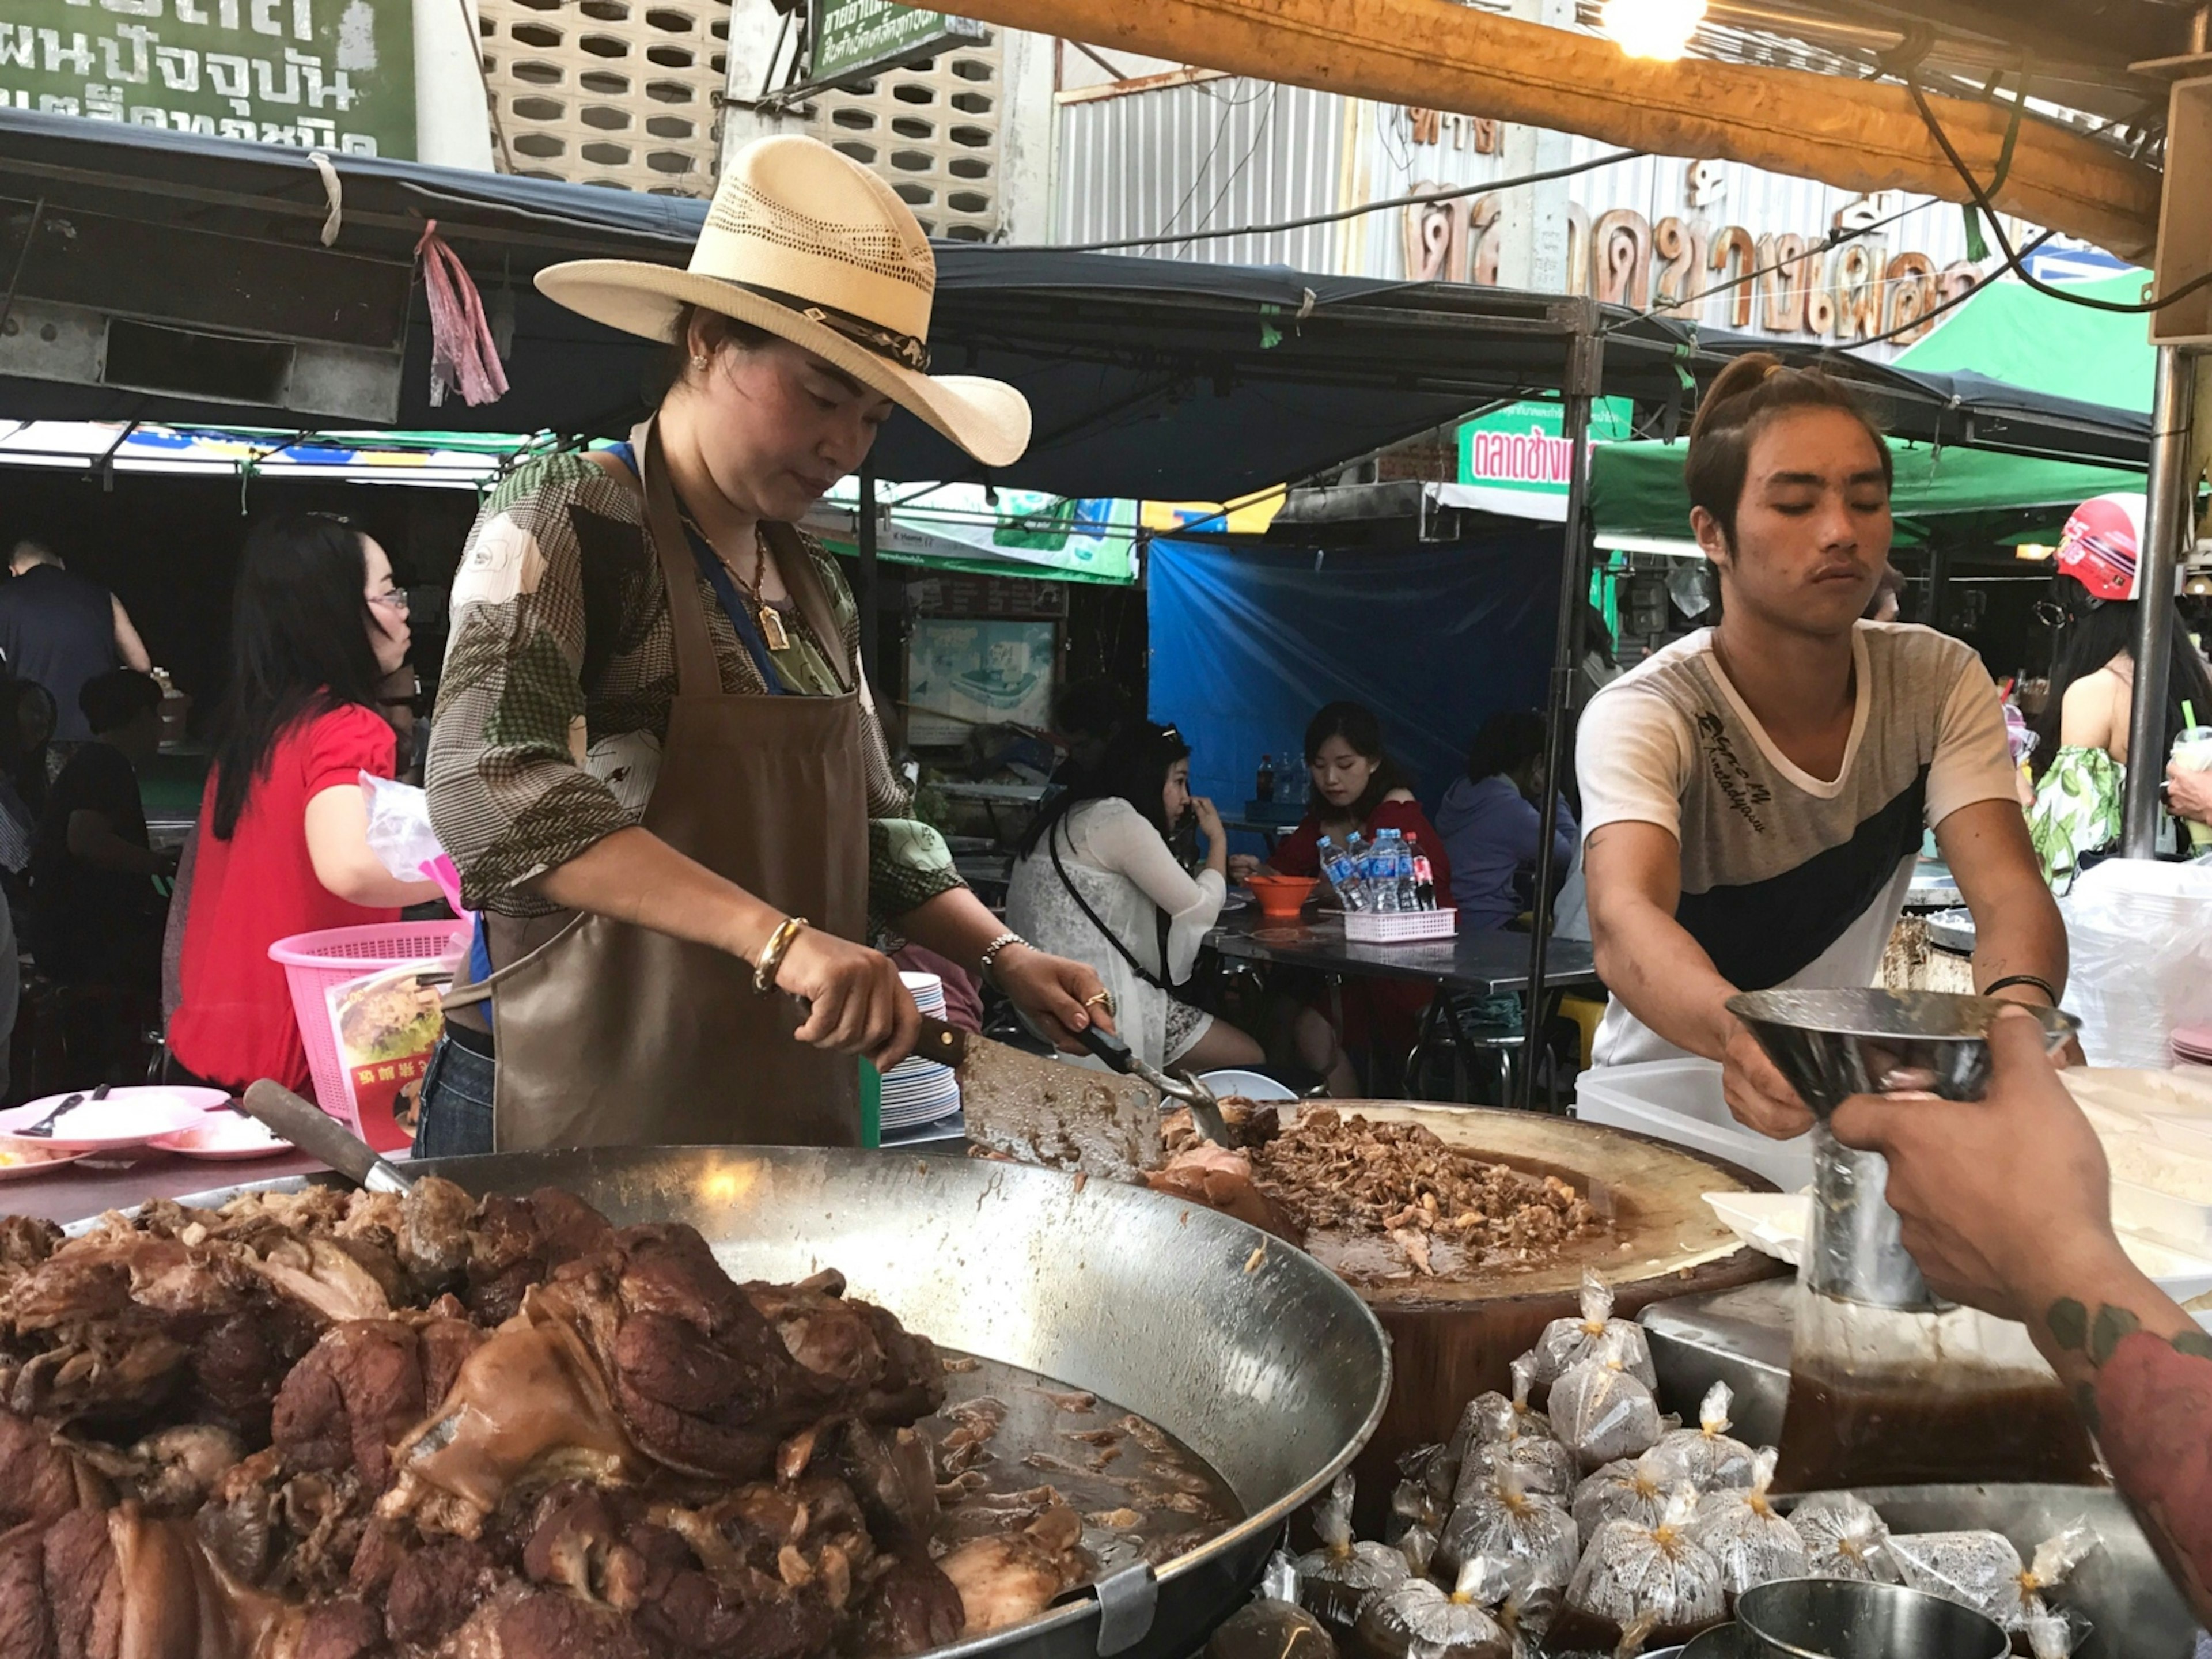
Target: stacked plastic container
[{"x": 2139, "y": 936}]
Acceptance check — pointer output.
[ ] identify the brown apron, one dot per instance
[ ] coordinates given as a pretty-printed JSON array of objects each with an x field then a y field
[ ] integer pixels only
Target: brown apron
[{"x": 610, "y": 1034}]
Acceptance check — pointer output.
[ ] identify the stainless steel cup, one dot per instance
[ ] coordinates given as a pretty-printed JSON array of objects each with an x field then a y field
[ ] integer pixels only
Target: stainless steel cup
[
  {"x": 1834, "y": 1044},
  {"x": 1842, "y": 1619}
]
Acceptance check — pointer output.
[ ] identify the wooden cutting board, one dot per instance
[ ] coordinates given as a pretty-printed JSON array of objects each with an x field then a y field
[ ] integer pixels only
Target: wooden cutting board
[{"x": 1453, "y": 1340}]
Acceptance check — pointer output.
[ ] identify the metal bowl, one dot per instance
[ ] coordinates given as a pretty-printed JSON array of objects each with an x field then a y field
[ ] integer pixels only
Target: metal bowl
[
  {"x": 1256, "y": 1356},
  {"x": 1842, "y": 1619},
  {"x": 1834, "y": 1044}
]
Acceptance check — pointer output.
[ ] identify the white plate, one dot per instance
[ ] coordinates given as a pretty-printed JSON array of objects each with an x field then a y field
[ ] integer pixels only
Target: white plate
[
  {"x": 1250, "y": 1085},
  {"x": 128, "y": 1117},
  {"x": 36, "y": 1159},
  {"x": 223, "y": 1136}
]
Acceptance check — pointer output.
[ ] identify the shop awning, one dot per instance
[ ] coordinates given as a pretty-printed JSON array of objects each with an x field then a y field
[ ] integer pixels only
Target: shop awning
[
  {"x": 2012, "y": 331},
  {"x": 959, "y": 527},
  {"x": 1639, "y": 503}
]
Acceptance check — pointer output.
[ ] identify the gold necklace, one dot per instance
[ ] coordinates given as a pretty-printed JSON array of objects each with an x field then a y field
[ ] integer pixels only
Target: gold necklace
[{"x": 772, "y": 633}]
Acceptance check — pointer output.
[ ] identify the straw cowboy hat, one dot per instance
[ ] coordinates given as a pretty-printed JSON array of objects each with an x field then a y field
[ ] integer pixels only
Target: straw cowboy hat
[{"x": 811, "y": 246}]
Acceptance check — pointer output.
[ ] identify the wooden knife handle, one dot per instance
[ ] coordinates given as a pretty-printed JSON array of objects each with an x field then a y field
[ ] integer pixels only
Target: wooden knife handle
[{"x": 946, "y": 1044}]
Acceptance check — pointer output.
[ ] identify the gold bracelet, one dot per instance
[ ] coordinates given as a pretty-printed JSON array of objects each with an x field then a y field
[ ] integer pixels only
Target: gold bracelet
[{"x": 770, "y": 960}]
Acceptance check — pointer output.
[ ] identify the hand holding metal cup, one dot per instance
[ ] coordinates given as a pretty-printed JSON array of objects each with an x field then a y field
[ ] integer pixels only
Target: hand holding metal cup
[{"x": 1833, "y": 1044}]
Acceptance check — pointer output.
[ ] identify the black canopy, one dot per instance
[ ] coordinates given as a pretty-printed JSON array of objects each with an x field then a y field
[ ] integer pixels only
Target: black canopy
[{"x": 1149, "y": 377}]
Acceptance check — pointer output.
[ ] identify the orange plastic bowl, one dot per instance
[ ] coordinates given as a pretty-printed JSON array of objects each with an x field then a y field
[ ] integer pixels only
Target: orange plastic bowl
[{"x": 1280, "y": 896}]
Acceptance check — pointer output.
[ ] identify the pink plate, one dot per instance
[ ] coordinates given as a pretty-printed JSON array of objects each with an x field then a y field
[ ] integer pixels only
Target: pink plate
[
  {"x": 223, "y": 1136},
  {"x": 36, "y": 1160},
  {"x": 127, "y": 1117}
]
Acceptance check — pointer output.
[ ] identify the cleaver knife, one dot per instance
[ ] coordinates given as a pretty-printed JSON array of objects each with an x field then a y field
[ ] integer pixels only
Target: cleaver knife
[{"x": 1040, "y": 1111}]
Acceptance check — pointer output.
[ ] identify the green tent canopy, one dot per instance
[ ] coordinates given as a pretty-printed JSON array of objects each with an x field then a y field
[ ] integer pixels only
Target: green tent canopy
[
  {"x": 2012, "y": 332},
  {"x": 1640, "y": 504}
]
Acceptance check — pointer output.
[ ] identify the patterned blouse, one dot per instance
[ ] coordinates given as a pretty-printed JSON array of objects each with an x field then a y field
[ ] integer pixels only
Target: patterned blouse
[{"x": 559, "y": 675}]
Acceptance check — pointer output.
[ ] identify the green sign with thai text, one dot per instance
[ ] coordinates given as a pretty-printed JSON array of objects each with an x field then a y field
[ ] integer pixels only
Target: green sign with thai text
[
  {"x": 334, "y": 74},
  {"x": 855, "y": 37}
]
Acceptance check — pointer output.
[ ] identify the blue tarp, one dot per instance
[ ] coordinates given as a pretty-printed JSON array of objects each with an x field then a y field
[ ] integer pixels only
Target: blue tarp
[{"x": 1247, "y": 644}]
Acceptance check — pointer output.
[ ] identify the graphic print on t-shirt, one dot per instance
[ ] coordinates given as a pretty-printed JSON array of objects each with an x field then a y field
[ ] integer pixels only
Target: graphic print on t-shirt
[
  {"x": 1788, "y": 879},
  {"x": 1739, "y": 785}
]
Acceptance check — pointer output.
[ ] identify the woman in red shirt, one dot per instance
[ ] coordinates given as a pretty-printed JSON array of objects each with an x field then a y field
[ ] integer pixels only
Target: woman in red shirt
[
  {"x": 1356, "y": 786},
  {"x": 283, "y": 845}
]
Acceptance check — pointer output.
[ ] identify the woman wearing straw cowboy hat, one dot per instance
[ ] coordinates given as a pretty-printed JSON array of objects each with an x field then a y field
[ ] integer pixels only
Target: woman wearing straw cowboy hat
[{"x": 656, "y": 761}]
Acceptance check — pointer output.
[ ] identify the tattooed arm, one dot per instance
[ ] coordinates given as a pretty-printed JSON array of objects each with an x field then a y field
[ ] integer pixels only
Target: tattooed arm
[{"x": 2006, "y": 1205}]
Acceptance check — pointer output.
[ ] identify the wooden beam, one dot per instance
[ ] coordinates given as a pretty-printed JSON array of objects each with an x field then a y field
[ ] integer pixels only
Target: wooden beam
[{"x": 1856, "y": 135}]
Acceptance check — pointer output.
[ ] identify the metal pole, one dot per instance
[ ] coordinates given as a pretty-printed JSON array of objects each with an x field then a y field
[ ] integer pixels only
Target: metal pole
[
  {"x": 870, "y": 589},
  {"x": 2166, "y": 519},
  {"x": 1585, "y": 372},
  {"x": 1939, "y": 580}
]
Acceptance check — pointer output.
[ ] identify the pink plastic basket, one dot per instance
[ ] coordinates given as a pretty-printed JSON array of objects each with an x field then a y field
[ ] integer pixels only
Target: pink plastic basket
[{"x": 312, "y": 962}]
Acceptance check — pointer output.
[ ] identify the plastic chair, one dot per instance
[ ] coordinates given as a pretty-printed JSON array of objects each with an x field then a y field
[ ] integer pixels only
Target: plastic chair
[{"x": 1586, "y": 1013}]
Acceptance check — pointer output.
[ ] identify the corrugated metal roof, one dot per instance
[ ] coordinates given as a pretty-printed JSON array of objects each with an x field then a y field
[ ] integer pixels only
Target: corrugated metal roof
[{"x": 1201, "y": 157}]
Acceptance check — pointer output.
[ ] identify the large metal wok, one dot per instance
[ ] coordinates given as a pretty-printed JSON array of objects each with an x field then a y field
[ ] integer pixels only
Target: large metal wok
[{"x": 1253, "y": 1355}]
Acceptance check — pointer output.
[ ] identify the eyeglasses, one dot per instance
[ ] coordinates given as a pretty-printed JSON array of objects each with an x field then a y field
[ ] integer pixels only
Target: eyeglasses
[{"x": 396, "y": 600}]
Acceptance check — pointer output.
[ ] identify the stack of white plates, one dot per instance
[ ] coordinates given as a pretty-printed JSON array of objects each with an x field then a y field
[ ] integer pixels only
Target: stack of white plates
[{"x": 919, "y": 1091}]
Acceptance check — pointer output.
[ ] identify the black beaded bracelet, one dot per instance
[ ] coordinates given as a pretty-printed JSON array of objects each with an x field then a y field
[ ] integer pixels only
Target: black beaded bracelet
[{"x": 2010, "y": 979}]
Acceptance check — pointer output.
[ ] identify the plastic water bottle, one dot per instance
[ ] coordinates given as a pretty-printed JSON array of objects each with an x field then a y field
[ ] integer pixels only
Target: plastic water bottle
[
  {"x": 1382, "y": 879},
  {"x": 1343, "y": 875},
  {"x": 1401, "y": 871}
]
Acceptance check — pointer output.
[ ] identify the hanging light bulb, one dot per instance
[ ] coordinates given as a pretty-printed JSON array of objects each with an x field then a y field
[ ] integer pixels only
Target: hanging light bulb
[{"x": 1651, "y": 28}]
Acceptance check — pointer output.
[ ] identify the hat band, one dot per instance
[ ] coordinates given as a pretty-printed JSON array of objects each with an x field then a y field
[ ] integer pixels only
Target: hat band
[{"x": 906, "y": 350}]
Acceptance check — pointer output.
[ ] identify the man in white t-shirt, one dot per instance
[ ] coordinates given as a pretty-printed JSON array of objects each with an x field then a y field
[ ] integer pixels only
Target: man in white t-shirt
[{"x": 1754, "y": 795}]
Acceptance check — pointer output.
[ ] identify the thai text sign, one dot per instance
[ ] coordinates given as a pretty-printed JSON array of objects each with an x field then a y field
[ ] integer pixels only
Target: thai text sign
[
  {"x": 335, "y": 74},
  {"x": 1520, "y": 450},
  {"x": 858, "y": 37}
]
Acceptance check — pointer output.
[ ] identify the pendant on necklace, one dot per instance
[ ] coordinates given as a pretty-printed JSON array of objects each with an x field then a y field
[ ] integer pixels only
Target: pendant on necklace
[{"x": 772, "y": 629}]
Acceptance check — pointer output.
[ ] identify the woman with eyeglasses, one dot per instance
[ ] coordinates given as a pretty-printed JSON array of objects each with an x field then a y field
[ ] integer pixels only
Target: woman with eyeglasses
[
  {"x": 2081, "y": 749},
  {"x": 317, "y": 627},
  {"x": 1097, "y": 882}
]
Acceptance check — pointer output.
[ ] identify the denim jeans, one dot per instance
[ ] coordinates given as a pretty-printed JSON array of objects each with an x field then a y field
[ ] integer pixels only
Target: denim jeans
[{"x": 457, "y": 1116}]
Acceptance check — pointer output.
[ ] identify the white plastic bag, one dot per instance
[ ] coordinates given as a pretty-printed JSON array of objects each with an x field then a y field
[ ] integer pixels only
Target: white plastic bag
[
  {"x": 1977, "y": 1569},
  {"x": 1417, "y": 1620},
  {"x": 1601, "y": 1412},
  {"x": 1544, "y": 1465},
  {"x": 1334, "y": 1579},
  {"x": 2139, "y": 937},
  {"x": 1740, "y": 1530},
  {"x": 1596, "y": 1335},
  {"x": 1844, "y": 1538},
  {"x": 1710, "y": 1458},
  {"x": 1627, "y": 1491},
  {"x": 399, "y": 831},
  {"x": 1531, "y": 1537},
  {"x": 1273, "y": 1625},
  {"x": 1631, "y": 1572},
  {"x": 1493, "y": 1416}
]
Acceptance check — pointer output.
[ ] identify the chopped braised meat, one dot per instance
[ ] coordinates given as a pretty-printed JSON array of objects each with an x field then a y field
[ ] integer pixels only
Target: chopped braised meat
[
  {"x": 1012, "y": 1577},
  {"x": 517, "y": 1242},
  {"x": 1399, "y": 1181},
  {"x": 911, "y": 1608},
  {"x": 287, "y": 1428},
  {"x": 435, "y": 1589},
  {"x": 889, "y": 1373},
  {"x": 41, "y": 1480},
  {"x": 345, "y": 1627},
  {"x": 359, "y": 1390},
  {"x": 1221, "y": 1179}
]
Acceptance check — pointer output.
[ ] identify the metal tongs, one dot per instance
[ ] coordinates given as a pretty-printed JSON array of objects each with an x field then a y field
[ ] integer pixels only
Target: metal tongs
[{"x": 1205, "y": 1105}]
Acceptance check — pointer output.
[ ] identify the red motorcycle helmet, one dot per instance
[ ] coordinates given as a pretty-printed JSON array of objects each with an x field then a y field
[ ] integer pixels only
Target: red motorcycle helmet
[{"x": 2101, "y": 544}]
